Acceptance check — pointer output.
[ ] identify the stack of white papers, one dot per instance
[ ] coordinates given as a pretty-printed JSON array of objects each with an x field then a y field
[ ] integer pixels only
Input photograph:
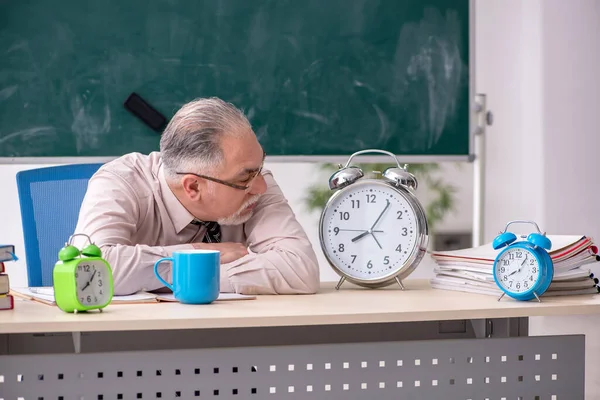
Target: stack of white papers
[
  {"x": 470, "y": 270},
  {"x": 45, "y": 294}
]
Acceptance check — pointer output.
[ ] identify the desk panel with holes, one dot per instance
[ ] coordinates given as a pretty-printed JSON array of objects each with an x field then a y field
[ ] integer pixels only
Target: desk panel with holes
[{"x": 542, "y": 368}]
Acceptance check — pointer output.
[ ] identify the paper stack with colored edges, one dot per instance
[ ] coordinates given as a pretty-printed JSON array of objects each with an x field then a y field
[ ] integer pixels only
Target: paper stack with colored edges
[
  {"x": 7, "y": 253},
  {"x": 470, "y": 270}
]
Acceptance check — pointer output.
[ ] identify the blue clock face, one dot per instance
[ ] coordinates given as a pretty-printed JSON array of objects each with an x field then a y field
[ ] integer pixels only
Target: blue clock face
[{"x": 517, "y": 270}]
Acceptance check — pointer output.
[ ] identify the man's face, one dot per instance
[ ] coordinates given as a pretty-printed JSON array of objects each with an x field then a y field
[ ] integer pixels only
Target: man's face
[{"x": 243, "y": 157}]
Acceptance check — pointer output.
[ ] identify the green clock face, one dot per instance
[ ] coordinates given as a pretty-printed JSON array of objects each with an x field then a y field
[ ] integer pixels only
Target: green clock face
[{"x": 92, "y": 279}]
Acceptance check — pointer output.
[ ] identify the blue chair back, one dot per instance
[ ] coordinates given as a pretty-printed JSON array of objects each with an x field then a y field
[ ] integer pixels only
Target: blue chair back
[{"x": 50, "y": 199}]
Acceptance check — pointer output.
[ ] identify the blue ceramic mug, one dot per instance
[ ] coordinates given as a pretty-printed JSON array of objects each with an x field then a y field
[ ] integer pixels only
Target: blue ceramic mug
[{"x": 196, "y": 275}]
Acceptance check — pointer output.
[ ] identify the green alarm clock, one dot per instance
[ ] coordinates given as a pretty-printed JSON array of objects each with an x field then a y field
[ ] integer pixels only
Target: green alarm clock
[{"x": 83, "y": 280}]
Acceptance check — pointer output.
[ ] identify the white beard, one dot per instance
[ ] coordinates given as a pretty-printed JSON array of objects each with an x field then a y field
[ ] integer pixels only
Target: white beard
[{"x": 238, "y": 218}]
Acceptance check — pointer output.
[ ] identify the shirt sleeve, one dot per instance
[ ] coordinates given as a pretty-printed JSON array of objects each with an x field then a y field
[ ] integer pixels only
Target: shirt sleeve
[
  {"x": 281, "y": 259},
  {"x": 109, "y": 214}
]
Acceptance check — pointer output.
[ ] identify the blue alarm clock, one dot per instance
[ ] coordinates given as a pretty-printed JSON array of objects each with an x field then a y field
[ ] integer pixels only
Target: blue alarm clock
[{"x": 523, "y": 270}]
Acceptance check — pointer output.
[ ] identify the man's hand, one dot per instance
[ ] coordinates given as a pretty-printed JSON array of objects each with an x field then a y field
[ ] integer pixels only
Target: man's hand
[{"x": 230, "y": 251}]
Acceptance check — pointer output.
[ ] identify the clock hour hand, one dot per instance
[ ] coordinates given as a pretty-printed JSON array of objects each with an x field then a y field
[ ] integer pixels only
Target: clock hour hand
[{"x": 362, "y": 235}]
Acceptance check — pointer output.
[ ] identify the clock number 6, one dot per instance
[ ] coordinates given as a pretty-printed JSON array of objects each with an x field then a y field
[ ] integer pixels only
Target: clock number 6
[{"x": 369, "y": 264}]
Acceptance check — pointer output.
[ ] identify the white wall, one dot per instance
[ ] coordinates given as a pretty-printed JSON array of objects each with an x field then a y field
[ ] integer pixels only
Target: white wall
[
  {"x": 537, "y": 61},
  {"x": 294, "y": 179},
  {"x": 10, "y": 217}
]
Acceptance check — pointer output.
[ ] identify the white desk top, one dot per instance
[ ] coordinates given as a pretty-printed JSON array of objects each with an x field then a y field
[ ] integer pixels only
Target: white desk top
[{"x": 347, "y": 306}]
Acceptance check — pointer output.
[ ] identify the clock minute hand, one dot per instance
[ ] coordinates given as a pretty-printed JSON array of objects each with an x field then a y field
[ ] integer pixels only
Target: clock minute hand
[
  {"x": 524, "y": 260},
  {"x": 89, "y": 282},
  {"x": 381, "y": 215}
]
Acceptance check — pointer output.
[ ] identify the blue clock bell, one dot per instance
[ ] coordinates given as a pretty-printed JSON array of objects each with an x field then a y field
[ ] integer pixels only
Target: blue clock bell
[{"x": 523, "y": 269}]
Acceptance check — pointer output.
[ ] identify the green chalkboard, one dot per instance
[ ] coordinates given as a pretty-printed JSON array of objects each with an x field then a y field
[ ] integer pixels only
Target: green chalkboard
[{"x": 315, "y": 77}]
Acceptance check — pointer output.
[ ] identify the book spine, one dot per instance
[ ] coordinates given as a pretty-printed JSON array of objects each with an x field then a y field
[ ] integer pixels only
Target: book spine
[
  {"x": 7, "y": 302},
  {"x": 4, "y": 284}
]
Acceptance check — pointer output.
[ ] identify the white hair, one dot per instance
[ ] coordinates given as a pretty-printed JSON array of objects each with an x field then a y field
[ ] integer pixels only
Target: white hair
[{"x": 191, "y": 142}]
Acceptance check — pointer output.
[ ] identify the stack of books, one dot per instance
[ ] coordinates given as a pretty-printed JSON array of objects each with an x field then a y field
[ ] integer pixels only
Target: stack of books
[
  {"x": 7, "y": 301},
  {"x": 470, "y": 270}
]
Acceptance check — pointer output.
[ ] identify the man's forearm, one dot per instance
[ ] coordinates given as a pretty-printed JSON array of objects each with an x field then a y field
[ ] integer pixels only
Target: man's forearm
[
  {"x": 133, "y": 266},
  {"x": 275, "y": 271}
]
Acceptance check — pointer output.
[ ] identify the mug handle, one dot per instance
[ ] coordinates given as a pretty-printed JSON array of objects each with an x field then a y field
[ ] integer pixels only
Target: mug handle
[{"x": 158, "y": 276}]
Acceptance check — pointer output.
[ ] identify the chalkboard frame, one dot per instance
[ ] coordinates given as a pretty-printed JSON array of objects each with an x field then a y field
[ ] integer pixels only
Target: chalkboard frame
[{"x": 410, "y": 158}]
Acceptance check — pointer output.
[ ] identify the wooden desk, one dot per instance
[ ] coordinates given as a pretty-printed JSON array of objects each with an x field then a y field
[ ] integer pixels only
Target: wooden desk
[
  {"x": 351, "y": 343},
  {"x": 350, "y": 305}
]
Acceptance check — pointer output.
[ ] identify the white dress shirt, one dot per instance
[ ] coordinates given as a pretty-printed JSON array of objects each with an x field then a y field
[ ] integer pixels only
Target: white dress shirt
[{"x": 132, "y": 214}]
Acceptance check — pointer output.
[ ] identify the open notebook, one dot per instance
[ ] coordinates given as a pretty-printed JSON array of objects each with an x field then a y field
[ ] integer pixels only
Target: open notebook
[{"x": 45, "y": 295}]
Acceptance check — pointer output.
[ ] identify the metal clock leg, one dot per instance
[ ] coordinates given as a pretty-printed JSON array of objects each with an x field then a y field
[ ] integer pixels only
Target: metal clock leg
[
  {"x": 400, "y": 283},
  {"x": 337, "y": 287},
  {"x": 500, "y": 298},
  {"x": 536, "y": 296}
]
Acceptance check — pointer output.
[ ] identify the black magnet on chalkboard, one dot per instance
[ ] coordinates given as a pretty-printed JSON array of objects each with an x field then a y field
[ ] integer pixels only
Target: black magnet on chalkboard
[{"x": 144, "y": 111}]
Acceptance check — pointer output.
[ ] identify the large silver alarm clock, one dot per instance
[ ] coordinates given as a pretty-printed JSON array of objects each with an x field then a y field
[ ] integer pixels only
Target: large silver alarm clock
[{"x": 373, "y": 231}]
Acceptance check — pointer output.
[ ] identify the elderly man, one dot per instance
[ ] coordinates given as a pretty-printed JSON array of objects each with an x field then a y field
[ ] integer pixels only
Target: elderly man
[{"x": 205, "y": 190}]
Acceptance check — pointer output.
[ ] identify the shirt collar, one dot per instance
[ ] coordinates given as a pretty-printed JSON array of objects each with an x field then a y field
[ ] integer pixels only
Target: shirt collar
[{"x": 179, "y": 215}]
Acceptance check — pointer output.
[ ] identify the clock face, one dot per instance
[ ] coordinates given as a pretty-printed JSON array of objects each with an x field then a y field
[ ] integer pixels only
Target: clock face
[
  {"x": 517, "y": 270},
  {"x": 369, "y": 230},
  {"x": 92, "y": 289}
]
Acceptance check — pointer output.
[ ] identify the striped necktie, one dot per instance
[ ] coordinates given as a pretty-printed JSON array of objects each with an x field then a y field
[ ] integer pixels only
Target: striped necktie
[{"x": 213, "y": 233}]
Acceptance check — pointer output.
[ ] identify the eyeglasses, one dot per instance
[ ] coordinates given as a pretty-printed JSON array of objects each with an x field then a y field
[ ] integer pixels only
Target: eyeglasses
[{"x": 233, "y": 185}]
